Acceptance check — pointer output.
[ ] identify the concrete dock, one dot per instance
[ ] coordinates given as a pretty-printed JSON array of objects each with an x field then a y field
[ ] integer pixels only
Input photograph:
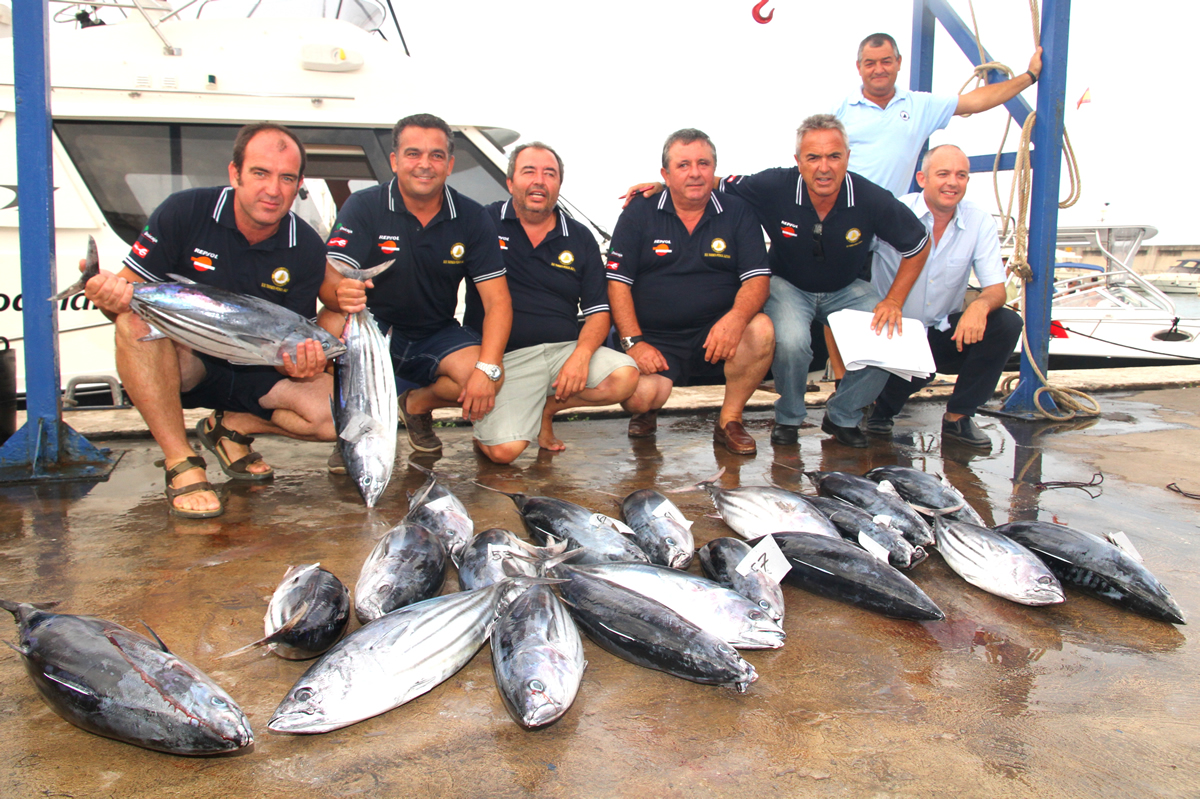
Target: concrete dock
[{"x": 999, "y": 700}]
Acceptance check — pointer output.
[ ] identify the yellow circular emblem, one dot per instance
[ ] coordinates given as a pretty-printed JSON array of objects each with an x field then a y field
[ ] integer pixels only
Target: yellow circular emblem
[
  {"x": 718, "y": 245},
  {"x": 457, "y": 251},
  {"x": 281, "y": 277},
  {"x": 853, "y": 235},
  {"x": 566, "y": 257}
]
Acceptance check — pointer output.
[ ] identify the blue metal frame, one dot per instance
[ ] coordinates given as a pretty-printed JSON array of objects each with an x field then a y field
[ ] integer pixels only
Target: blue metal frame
[
  {"x": 45, "y": 448},
  {"x": 1046, "y": 159}
]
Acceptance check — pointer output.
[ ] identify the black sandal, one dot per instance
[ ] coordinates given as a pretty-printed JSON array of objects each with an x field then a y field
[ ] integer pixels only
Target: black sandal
[
  {"x": 211, "y": 439},
  {"x": 186, "y": 465}
]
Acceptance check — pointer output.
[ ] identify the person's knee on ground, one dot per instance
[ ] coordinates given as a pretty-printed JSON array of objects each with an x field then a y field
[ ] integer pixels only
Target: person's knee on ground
[{"x": 502, "y": 453}]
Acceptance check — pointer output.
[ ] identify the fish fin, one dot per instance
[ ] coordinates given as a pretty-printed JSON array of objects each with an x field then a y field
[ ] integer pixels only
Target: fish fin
[
  {"x": 155, "y": 334},
  {"x": 70, "y": 290},
  {"x": 787, "y": 466},
  {"x": 273, "y": 637},
  {"x": 181, "y": 279},
  {"x": 15, "y": 607},
  {"x": 549, "y": 563},
  {"x": 702, "y": 484},
  {"x": 76, "y": 687},
  {"x": 153, "y": 634},
  {"x": 17, "y": 649},
  {"x": 361, "y": 275},
  {"x": 936, "y": 511},
  {"x": 243, "y": 650},
  {"x": 1122, "y": 542}
]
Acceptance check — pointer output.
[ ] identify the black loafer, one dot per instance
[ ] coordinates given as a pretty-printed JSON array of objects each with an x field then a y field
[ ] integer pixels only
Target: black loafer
[
  {"x": 785, "y": 435},
  {"x": 848, "y": 436},
  {"x": 966, "y": 432},
  {"x": 880, "y": 426}
]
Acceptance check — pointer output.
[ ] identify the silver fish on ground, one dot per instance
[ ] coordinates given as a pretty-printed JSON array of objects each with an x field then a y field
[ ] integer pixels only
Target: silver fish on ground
[
  {"x": 650, "y": 634},
  {"x": 537, "y": 657},
  {"x": 1088, "y": 562},
  {"x": 924, "y": 490},
  {"x": 659, "y": 528},
  {"x": 235, "y": 327},
  {"x": 719, "y": 559},
  {"x": 436, "y": 507},
  {"x": 868, "y": 495},
  {"x": 600, "y": 537},
  {"x": 852, "y": 521},
  {"x": 755, "y": 511},
  {"x": 394, "y": 659},
  {"x": 113, "y": 682},
  {"x": 994, "y": 562},
  {"x": 91, "y": 268},
  {"x": 365, "y": 408},
  {"x": 721, "y": 611},
  {"x": 307, "y": 614},
  {"x": 486, "y": 558},
  {"x": 407, "y": 565}
]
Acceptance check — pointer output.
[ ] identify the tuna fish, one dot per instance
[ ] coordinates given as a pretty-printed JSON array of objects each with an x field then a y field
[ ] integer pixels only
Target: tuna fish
[
  {"x": 91, "y": 268},
  {"x": 659, "y": 528},
  {"x": 308, "y": 612},
  {"x": 925, "y": 491},
  {"x": 407, "y": 565},
  {"x": 719, "y": 559},
  {"x": 394, "y": 659},
  {"x": 235, "y": 327},
  {"x": 755, "y": 511},
  {"x": 836, "y": 569},
  {"x": 723, "y": 612},
  {"x": 365, "y": 408},
  {"x": 537, "y": 657},
  {"x": 867, "y": 494},
  {"x": 650, "y": 634},
  {"x": 114, "y": 682},
  {"x": 1090, "y": 563},
  {"x": 494, "y": 554},
  {"x": 996, "y": 563},
  {"x": 437, "y": 509},
  {"x": 853, "y": 522}
]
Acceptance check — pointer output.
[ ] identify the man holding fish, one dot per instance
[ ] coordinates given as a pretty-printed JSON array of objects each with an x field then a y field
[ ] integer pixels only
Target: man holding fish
[{"x": 245, "y": 239}]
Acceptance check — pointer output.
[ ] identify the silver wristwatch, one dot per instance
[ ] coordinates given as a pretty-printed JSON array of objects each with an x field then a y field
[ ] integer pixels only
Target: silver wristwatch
[
  {"x": 490, "y": 369},
  {"x": 627, "y": 342}
]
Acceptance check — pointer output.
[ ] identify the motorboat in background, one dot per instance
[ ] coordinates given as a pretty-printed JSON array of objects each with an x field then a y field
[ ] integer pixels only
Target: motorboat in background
[{"x": 1182, "y": 278}]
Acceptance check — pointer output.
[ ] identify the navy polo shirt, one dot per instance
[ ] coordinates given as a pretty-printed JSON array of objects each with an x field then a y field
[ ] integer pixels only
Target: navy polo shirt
[
  {"x": 685, "y": 281},
  {"x": 549, "y": 283},
  {"x": 418, "y": 294},
  {"x": 194, "y": 233},
  {"x": 861, "y": 211}
]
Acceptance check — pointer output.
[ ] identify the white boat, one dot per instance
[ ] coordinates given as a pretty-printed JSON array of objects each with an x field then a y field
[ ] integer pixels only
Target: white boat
[
  {"x": 1182, "y": 278},
  {"x": 1109, "y": 316},
  {"x": 151, "y": 104}
]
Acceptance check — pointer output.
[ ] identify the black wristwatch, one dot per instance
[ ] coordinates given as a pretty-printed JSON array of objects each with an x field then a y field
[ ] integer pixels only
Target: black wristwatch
[{"x": 627, "y": 342}]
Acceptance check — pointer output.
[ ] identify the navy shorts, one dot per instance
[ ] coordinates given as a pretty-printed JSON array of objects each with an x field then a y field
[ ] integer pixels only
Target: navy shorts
[
  {"x": 417, "y": 361},
  {"x": 684, "y": 351},
  {"x": 226, "y": 387}
]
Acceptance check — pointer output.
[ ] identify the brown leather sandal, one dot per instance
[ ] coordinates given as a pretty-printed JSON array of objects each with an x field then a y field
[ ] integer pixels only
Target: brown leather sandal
[
  {"x": 186, "y": 465},
  {"x": 211, "y": 439}
]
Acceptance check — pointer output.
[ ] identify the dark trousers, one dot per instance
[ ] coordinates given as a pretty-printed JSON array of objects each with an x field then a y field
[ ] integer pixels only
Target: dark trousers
[{"x": 978, "y": 366}]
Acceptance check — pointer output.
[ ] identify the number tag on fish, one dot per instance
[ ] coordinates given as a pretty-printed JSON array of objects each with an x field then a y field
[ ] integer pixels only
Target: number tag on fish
[
  {"x": 358, "y": 426},
  {"x": 442, "y": 503},
  {"x": 885, "y": 487},
  {"x": 883, "y": 520},
  {"x": 872, "y": 546},
  {"x": 766, "y": 558},
  {"x": 1122, "y": 542},
  {"x": 669, "y": 511},
  {"x": 600, "y": 520},
  {"x": 499, "y": 551}
]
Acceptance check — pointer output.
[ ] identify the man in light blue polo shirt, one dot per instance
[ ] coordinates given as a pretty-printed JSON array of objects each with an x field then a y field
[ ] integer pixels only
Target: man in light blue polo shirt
[
  {"x": 887, "y": 127},
  {"x": 973, "y": 343}
]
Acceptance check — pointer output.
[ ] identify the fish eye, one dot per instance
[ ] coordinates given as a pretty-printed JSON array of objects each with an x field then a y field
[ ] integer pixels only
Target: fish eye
[
  {"x": 217, "y": 701},
  {"x": 536, "y": 685},
  {"x": 670, "y": 542},
  {"x": 303, "y": 694},
  {"x": 366, "y": 479},
  {"x": 755, "y": 615},
  {"x": 725, "y": 648},
  {"x": 762, "y": 603},
  {"x": 1044, "y": 580},
  {"x": 383, "y": 589}
]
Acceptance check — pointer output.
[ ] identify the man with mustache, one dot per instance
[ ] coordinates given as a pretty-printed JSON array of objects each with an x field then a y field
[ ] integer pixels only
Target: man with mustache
[{"x": 437, "y": 237}]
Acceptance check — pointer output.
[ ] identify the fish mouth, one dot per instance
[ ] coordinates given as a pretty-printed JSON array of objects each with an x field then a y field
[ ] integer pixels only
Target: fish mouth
[
  {"x": 299, "y": 723},
  {"x": 681, "y": 560},
  {"x": 541, "y": 715}
]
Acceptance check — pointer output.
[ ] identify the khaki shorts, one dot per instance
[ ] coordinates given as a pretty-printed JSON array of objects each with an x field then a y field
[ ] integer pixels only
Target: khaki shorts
[{"x": 528, "y": 375}]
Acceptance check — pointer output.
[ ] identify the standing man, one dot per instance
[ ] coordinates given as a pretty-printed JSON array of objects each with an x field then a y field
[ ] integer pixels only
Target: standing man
[
  {"x": 974, "y": 343},
  {"x": 821, "y": 220},
  {"x": 687, "y": 279},
  {"x": 887, "y": 128},
  {"x": 437, "y": 237},
  {"x": 242, "y": 238},
  {"x": 553, "y": 270}
]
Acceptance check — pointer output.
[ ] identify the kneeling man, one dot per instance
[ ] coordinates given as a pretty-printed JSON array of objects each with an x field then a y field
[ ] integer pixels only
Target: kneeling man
[
  {"x": 554, "y": 269},
  {"x": 973, "y": 343},
  {"x": 687, "y": 280}
]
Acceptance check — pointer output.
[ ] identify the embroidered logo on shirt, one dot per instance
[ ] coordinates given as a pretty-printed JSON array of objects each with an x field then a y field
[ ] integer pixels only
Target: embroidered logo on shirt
[
  {"x": 903, "y": 116},
  {"x": 202, "y": 263},
  {"x": 141, "y": 251},
  {"x": 718, "y": 245},
  {"x": 338, "y": 242},
  {"x": 457, "y": 251},
  {"x": 281, "y": 277},
  {"x": 662, "y": 246},
  {"x": 788, "y": 230},
  {"x": 612, "y": 265},
  {"x": 853, "y": 235},
  {"x": 389, "y": 247},
  {"x": 566, "y": 257},
  {"x": 503, "y": 243}
]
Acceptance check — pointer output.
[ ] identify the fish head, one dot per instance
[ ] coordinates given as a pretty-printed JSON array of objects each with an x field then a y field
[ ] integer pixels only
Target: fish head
[
  {"x": 1042, "y": 589},
  {"x": 216, "y": 724},
  {"x": 304, "y": 709},
  {"x": 760, "y": 631},
  {"x": 372, "y": 473},
  {"x": 371, "y": 595},
  {"x": 550, "y": 680}
]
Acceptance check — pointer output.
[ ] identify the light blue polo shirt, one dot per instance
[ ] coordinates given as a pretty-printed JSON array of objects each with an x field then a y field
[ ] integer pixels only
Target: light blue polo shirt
[
  {"x": 969, "y": 242},
  {"x": 885, "y": 142}
]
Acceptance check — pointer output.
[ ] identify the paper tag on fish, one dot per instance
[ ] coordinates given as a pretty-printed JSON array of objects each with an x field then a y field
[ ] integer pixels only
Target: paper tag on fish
[
  {"x": 600, "y": 520},
  {"x": 883, "y": 520},
  {"x": 358, "y": 426},
  {"x": 1122, "y": 542},
  {"x": 668, "y": 510},
  {"x": 885, "y": 487},
  {"x": 874, "y": 547},
  {"x": 442, "y": 503},
  {"x": 499, "y": 551},
  {"x": 766, "y": 558}
]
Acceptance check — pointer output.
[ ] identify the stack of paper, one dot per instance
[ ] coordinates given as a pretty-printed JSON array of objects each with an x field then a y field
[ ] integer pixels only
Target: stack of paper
[{"x": 905, "y": 354}]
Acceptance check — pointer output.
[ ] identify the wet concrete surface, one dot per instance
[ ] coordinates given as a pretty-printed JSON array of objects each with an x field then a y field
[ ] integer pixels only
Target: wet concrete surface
[{"x": 1079, "y": 699}]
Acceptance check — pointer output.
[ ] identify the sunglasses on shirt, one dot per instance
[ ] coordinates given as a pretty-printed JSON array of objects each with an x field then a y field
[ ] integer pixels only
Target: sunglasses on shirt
[{"x": 818, "y": 246}]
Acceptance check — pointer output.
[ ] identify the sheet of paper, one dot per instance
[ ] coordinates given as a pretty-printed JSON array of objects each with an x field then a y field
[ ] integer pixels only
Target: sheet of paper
[{"x": 905, "y": 354}]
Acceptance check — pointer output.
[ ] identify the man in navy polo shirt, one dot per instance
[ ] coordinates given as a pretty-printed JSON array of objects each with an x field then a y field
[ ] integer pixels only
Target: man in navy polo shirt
[
  {"x": 437, "y": 237},
  {"x": 553, "y": 270},
  {"x": 687, "y": 279},
  {"x": 243, "y": 238},
  {"x": 821, "y": 220}
]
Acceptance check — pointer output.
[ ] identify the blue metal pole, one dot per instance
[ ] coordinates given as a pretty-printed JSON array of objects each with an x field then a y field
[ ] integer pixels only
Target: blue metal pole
[{"x": 1046, "y": 161}]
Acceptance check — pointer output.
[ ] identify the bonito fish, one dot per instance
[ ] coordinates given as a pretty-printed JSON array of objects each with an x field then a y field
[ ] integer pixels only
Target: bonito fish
[
  {"x": 719, "y": 559},
  {"x": 924, "y": 491},
  {"x": 435, "y": 507},
  {"x": 994, "y": 562},
  {"x": 114, "y": 682},
  {"x": 236, "y": 327},
  {"x": 494, "y": 554},
  {"x": 91, "y": 268},
  {"x": 754, "y": 511},
  {"x": 876, "y": 500},
  {"x": 407, "y": 565},
  {"x": 307, "y": 613},
  {"x": 659, "y": 528},
  {"x": 854, "y": 523}
]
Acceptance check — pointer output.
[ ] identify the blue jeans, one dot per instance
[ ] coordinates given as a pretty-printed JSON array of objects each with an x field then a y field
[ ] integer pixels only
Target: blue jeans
[{"x": 793, "y": 311}]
